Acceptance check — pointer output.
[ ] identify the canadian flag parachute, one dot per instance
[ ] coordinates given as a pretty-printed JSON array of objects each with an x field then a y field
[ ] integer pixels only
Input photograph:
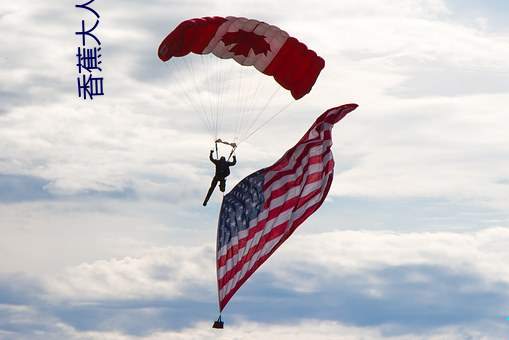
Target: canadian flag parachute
[{"x": 250, "y": 43}]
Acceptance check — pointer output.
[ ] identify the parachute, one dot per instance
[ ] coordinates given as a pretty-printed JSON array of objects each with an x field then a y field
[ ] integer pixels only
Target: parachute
[{"x": 199, "y": 52}]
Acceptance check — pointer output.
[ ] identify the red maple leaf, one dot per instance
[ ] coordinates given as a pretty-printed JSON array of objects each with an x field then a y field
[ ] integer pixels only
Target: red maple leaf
[{"x": 246, "y": 41}]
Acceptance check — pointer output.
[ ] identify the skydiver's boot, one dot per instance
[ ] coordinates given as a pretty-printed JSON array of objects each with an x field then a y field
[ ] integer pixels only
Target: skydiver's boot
[{"x": 209, "y": 193}]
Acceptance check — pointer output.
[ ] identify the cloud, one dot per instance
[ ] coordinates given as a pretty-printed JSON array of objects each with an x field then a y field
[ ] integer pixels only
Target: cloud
[
  {"x": 306, "y": 329},
  {"x": 395, "y": 60},
  {"x": 315, "y": 329},
  {"x": 371, "y": 284},
  {"x": 342, "y": 252},
  {"x": 379, "y": 284},
  {"x": 168, "y": 273},
  {"x": 15, "y": 188},
  {"x": 101, "y": 235}
]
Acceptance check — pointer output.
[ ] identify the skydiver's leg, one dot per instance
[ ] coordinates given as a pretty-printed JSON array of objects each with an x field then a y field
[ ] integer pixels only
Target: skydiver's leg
[
  {"x": 222, "y": 184},
  {"x": 211, "y": 190}
]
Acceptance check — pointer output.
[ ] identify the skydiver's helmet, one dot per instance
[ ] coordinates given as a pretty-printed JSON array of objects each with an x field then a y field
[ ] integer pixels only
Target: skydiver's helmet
[{"x": 222, "y": 159}]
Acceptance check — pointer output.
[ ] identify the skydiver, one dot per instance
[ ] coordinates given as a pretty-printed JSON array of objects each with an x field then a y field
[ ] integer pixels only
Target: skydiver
[{"x": 222, "y": 171}]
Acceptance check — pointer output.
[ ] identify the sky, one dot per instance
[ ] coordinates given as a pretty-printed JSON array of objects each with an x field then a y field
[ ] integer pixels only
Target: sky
[{"x": 102, "y": 231}]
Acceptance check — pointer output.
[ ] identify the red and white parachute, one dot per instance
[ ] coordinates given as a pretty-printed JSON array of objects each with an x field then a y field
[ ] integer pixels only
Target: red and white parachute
[{"x": 225, "y": 95}]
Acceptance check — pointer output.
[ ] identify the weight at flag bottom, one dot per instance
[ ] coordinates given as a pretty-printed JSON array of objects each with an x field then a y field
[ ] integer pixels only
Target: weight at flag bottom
[{"x": 265, "y": 208}]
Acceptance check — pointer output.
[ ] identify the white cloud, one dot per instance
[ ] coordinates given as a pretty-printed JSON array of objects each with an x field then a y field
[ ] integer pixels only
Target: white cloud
[
  {"x": 308, "y": 263},
  {"x": 117, "y": 182},
  {"x": 339, "y": 253},
  {"x": 307, "y": 329},
  {"x": 162, "y": 273},
  {"x": 388, "y": 50},
  {"x": 437, "y": 274},
  {"x": 318, "y": 329},
  {"x": 449, "y": 147}
]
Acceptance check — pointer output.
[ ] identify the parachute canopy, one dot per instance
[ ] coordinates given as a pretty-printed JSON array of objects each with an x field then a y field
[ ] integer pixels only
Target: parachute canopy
[{"x": 250, "y": 43}]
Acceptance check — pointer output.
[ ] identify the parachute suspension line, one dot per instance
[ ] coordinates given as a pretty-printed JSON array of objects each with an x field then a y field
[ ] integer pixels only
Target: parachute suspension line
[
  {"x": 254, "y": 96},
  {"x": 213, "y": 91},
  {"x": 207, "y": 81},
  {"x": 234, "y": 147},
  {"x": 267, "y": 121},
  {"x": 261, "y": 112},
  {"x": 224, "y": 69},
  {"x": 217, "y": 92},
  {"x": 239, "y": 110},
  {"x": 196, "y": 108},
  {"x": 218, "y": 75},
  {"x": 255, "y": 85},
  {"x": 191, "y": 70},
  {"x": 245, "y": 109}
]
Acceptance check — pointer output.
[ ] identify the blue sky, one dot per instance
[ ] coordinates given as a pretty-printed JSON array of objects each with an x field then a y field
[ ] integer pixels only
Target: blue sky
[{"x": 102, "y": 232}]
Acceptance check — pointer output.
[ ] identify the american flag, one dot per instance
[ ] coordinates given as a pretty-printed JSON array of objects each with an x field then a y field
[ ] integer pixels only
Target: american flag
[{"x": 266, "y": 207}]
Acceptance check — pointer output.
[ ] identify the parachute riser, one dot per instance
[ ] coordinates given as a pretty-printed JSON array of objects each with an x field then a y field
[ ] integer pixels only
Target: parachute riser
[
  {"x": 231, "y": 153},
  {"x": 233, "y": 146}
]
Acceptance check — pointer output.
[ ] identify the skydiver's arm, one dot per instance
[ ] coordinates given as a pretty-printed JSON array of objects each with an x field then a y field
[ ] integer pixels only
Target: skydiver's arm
[
  {"x": 210, "y": 156},
  {"x": 234, "y": 161}
]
